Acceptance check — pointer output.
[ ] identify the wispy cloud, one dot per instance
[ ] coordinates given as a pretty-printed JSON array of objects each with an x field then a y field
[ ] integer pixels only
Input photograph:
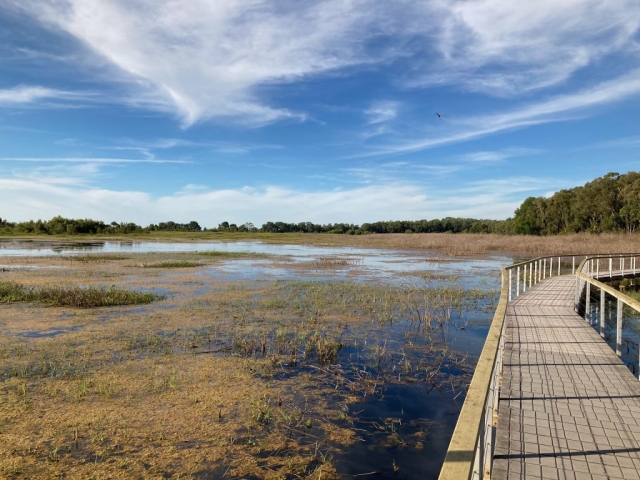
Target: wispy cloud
[
  {"x": 207, "y": 59},
  {"x": 29, "y": 94},
  {"x": 382, "y": 111},
  {"x": 94, "y": 160},
  {"x": 497, "y": 156},
  {"x": 555, "y": 109}
]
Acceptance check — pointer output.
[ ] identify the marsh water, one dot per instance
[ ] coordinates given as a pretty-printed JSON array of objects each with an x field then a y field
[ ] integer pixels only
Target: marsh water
[{"x": 407, "y": 418}]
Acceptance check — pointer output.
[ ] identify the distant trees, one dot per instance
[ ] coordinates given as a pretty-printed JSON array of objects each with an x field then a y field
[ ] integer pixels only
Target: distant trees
[{"x": 607, "y": 204}]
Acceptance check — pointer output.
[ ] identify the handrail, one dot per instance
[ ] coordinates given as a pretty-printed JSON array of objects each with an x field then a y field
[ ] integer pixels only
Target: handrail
[
  {"x": 467, "y": 449},
  {"x": 587, "y": 276},
  {"x": 470, "y": 452}
]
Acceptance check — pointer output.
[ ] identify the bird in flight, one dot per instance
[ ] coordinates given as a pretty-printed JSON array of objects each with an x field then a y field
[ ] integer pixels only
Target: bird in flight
[{"x": 438, "y": 115}]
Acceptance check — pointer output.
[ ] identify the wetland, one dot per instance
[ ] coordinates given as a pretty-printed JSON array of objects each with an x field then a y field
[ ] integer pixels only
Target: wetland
[{"x": 236, "y": 359}]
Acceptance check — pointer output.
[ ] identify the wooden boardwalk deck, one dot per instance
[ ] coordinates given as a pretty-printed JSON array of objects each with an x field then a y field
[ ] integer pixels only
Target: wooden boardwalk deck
[{"x": 569, "y": 408}]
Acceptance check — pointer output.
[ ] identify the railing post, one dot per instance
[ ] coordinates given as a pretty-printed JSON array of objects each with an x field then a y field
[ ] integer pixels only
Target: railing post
[
  {"x": 524, "y": 279},
  {"x": 619, "y": 328},
  {"x": 550, "y": 267},
  {"x": 587, "y": 302},
  {"x": 544, "y": 268},
  {"x": 623, "y": 259},
  {"x": 602, "y": 311},
  {"x": 610, "y": 267},
  {"x": 518, "y": 282},
  {"x": 535, "y": 275},
  {"x": 559, "y": 265},
  {"x": 598, "y": 268},
  {"x": 509, "y": 284},
  {"x": 573, "y": 264},
  {"x": 577, "y": 295},
  {"x": 530, "y": 274}
]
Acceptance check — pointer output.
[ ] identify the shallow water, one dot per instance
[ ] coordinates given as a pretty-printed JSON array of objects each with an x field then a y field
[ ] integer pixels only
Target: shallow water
[{"x": 412, "y": 410}]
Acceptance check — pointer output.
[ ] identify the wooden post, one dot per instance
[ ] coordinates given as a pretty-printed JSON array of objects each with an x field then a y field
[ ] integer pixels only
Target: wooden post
[
  {"x": 518, "y": 282},
  {"x": 598, "y": 267},
  {"x": 573, "y": 264},
  {"x": 622, "y": 267},
  {"x": 530, "y": 274},
  {"x": 509, "y": 284},
  {"x": 602, "y": 312},
  {"x": 535, "y": 275},
  {"x": 550, "y": 267},
  {"x": 544, "y": 269},
  {"x": 524, "y": 279},
  {"x": 559, "y": 265},
  {"x": 619, "y": 328}
]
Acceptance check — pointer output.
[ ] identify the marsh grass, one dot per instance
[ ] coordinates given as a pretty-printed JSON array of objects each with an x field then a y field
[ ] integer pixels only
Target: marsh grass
[
  {"x": 333, "y": 262},
  {"x": 74, "y": 296},
  {"x": 258, "y": 379},
  {"x": 92, "y": 257},
  {"x": 232, "y": 255},
  {"x": 174, "y": 264}
]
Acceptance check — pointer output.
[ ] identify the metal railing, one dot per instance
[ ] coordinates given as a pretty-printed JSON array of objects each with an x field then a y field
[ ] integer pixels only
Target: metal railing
[
  {"x": 472, "y": 446},
  {"x": 594, "y": 308}
]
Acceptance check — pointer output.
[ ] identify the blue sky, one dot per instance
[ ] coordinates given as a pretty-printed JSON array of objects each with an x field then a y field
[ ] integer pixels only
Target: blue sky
[{"x": 250, "y": 110}]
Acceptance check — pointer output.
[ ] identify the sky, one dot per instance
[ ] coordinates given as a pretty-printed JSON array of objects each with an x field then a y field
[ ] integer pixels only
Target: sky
[{"x": 324, "y": 111}]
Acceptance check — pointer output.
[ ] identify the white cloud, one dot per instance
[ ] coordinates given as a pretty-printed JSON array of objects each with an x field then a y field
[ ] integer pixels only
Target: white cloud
[
  {"x": 555, "y": 109},
  {"x": 24, "y": 199},
  {"x": 204, "y": 59},
  {"x": 27, "y": 94},
  {"x": 93, "y": 160},
  {"x": 497, "y": 156},
  {"x": 382, "y": 111},
  {"x": 505, "y": 47}
]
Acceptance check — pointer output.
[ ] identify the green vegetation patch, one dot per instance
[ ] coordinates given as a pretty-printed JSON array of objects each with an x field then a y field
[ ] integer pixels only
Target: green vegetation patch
[
  {"x": 74, "y": 296},
  {"x": 175, "y": 264},
  {"x": 232, "y": 255}
]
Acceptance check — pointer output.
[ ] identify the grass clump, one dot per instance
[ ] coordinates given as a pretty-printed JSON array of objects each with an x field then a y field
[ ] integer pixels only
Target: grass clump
[
  {"x": 232, "y": 255},
  {"x": 74, "y": 296},
  {"x": 176, "y": 264}
]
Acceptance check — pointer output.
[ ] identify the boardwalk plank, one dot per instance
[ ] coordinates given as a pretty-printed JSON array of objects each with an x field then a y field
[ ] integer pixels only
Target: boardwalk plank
[{"x": 569, "y": 408}]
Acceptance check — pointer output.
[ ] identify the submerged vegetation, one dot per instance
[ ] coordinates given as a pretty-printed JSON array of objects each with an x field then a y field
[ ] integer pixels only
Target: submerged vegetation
[{"x": 73, "y": 296}]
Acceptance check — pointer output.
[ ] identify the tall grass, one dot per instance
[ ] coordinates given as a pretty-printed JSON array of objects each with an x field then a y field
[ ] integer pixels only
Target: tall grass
[{"x": 74, "y": 296}]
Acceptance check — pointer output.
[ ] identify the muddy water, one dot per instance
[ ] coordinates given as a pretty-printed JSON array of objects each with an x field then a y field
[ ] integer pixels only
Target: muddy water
[{"x": 405, "y": 425}]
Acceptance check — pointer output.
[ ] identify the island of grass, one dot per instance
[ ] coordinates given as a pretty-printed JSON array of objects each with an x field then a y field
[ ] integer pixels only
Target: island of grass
[{"x": 74, "y": 296}]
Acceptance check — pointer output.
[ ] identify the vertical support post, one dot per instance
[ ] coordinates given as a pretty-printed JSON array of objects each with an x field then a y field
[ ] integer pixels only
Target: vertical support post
[
  {"x": 587, "y": 302},
  {"x": 619, "y": 328},
  {"x": 576, "y": 297},
  {"x": 535, "y": 275},
  {"x": 623, "y": 259},
  {"x": 550, "y": 267},
  {"x": 518, "y": 282},
  {"x": 509, "y": 284},
  {"x": 610, "y": 267},
  {"x": 602, "y": 312},
  {"x": 524, "y": 279},
  {"x": 544, "y": 269},
  {"x": 559, "y": 265},
  {"x": 573, "y": 264},
  {"x": 530, "y": 274},
  {"x": 597, "y": 268}
]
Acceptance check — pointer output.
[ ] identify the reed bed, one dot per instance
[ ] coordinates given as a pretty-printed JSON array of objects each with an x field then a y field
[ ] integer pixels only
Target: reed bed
[{"x": 74, "y": 296}]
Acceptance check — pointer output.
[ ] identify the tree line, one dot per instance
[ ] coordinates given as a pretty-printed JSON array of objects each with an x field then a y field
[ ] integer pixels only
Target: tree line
[{"x": 607, "y": 204}]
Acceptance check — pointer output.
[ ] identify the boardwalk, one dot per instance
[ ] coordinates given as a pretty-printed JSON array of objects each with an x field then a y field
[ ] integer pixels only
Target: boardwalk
[{"x": 569, "y": 408}]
